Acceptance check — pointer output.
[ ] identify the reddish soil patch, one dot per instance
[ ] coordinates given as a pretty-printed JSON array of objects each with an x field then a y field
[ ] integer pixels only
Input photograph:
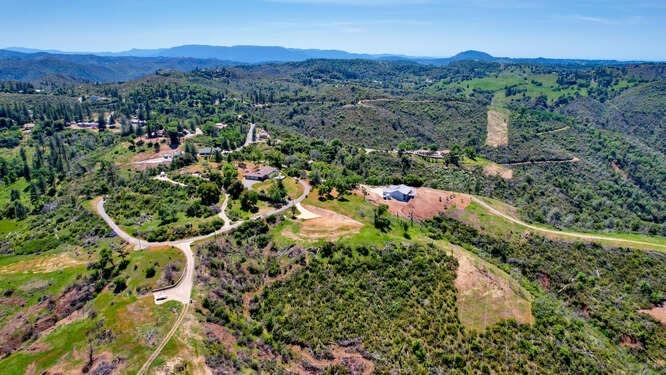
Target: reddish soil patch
[
  {"x": 427, "y": 203},
  {"x": 222, "y": 335},
  {"x": 329, "y": 225},
  {"x": 658, "y": 312},
  {"x": 630, "y": 342},
  {"x": 348, "y": 357}
]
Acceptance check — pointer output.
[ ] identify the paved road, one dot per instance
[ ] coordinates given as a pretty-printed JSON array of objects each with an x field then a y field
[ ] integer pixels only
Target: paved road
[
  {"x": 249, "y": 139},
  {"x": 182, "y": 292},
  {"x": 583, "y": 236}
]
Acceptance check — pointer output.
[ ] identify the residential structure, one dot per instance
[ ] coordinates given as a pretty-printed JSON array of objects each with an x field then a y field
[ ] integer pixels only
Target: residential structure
[
  {"x": 401, "y": 193},
  {"x": 262, "y": 174},
  {"x": 208, "y": 151}
]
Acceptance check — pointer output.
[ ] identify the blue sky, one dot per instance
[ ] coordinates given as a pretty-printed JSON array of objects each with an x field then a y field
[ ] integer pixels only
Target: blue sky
[{"x": 517, "y": 28}]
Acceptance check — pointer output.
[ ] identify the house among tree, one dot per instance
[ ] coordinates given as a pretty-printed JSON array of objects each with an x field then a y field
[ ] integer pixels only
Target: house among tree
[
  {"x": 261, "y": 174},
  {"x": 208, "y": 151},
  {"x": 401, "y": 193}
]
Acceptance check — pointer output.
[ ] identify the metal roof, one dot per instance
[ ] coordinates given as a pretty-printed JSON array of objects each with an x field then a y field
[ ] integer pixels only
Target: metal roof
[{"x": 404, "y": 189}]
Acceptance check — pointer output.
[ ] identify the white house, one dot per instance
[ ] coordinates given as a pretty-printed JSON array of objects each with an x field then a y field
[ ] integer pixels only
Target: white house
[{"x": 401, "y": 193}]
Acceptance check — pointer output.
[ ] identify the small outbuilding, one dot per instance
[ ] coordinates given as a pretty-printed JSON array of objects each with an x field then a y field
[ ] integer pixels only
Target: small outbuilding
[{"x": 401, "y": 193}]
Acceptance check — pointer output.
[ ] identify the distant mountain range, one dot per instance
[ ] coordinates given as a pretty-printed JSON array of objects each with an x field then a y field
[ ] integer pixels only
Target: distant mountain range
[
  {"x": 42, "y": 66},
  {"x": 26, "y": 64},
  {"x": 263, "y": 54}
]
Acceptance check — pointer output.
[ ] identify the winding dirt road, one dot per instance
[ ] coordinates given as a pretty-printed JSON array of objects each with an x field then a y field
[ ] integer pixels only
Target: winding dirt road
[{"x": 583, "y": 236}]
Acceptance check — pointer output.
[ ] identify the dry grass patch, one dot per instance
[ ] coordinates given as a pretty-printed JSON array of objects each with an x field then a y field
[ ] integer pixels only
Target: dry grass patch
[
  {"x": 328, "y": 226},
  {"x": 486, "y": 295},
  {"x": 498, "y": 128},
  {"x": 494, "y": 169},
  {"x": 43, "y": 264}
]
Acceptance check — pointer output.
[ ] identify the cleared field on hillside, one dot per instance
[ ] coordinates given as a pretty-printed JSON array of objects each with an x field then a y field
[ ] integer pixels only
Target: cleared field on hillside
[
  {"x": 486, "y": 294},
  {"x": 498, "y": 128}
]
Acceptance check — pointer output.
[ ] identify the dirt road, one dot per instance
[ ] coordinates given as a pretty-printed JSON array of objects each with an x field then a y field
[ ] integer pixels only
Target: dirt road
[
  {"x": 550, "y": 161},
  {"x": 583, "y": 236}
]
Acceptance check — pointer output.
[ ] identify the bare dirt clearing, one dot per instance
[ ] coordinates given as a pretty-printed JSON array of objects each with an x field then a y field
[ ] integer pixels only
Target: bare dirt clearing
[
  {"x": 498, "y": 129},
  {"x": 658, "y": 312},
  {"x": 485, "y": 296},
  {"x": 427, "y": 203},
  {"x": 147, "y": 159},
  {"x": 328, "y": 225},
  {"x": 498, "y": 170}
]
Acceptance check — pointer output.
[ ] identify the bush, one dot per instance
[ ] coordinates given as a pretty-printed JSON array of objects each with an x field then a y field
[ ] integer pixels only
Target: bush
[
  {"x": 119, "y": 284},
  {"x": 150, "y": 272}
]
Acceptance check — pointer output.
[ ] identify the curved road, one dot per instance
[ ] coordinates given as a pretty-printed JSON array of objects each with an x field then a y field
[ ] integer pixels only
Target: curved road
[
  {"x": 182, "y": 291},
  {"x": 583, "y": 236}
]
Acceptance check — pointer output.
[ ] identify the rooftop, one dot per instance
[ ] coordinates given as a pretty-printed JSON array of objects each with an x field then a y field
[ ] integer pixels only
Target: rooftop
[{"x": 404, "y": 189}]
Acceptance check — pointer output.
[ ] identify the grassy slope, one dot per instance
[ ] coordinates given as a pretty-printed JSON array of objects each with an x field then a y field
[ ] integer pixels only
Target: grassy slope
[
  {"x": 501, "y": 226},
  {"x": 135, "y": 322}
]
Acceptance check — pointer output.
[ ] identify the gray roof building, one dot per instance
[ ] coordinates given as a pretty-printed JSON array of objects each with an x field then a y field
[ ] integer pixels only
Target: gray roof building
[{"x": 399, "y": 192}]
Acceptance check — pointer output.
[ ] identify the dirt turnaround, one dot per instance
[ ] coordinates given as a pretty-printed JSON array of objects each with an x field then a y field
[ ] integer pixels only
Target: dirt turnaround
[{"x": 498, "y": 129}]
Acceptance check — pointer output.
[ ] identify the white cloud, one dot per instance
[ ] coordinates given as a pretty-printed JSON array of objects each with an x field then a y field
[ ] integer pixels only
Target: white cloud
[{"x": 607, "y": 21}]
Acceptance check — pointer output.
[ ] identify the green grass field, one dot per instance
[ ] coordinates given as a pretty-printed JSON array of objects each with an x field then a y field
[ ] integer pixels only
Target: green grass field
[{"x": 529, "y": 84}]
